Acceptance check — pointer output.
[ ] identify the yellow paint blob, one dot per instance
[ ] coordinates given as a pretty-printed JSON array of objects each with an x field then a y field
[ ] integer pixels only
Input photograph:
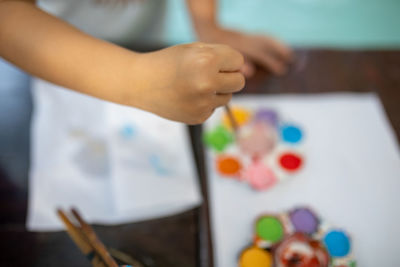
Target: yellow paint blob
[
  {"x": 241, "y": 115},
  {"x": 255, "y": 257}
]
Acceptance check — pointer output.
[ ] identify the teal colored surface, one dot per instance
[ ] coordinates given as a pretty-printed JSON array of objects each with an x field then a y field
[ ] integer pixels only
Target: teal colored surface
[{"x": 302, "y": 23}]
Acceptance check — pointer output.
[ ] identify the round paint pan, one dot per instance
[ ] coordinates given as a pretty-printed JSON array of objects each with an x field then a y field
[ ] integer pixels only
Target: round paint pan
[
  {"x": 269, "y": 230},
  {"x": 304, "y": 220},
  {"x": 255, "y": 257}
]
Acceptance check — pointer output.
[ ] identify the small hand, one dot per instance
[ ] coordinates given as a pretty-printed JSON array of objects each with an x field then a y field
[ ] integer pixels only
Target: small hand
[
  {"x": 187, "y": 82},
  {"x": 262, "y": 50}
]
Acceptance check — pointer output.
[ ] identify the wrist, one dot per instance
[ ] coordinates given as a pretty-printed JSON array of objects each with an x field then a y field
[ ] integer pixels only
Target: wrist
[
  {"x": 144, "y": 79},
  {"x": 134, "y": 83}
]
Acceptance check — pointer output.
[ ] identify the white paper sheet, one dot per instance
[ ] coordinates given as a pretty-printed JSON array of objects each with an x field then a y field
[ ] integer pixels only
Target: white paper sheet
[
  {"x": 152, "y": 169},
  {"x": 351, "y": 178},
  {"x": 76, "y": 154}
]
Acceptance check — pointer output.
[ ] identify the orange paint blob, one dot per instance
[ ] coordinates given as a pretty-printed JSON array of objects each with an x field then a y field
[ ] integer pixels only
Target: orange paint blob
[{"x": 228, "y": 165}]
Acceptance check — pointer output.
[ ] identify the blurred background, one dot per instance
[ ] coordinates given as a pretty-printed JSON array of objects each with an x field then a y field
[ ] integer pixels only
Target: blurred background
[{"x": 352, "y": 24}]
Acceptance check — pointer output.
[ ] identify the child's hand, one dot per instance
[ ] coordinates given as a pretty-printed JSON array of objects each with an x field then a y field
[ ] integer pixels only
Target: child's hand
[
  {"x": 185, "y": 82},
  {"x": 262, "y": 50}
]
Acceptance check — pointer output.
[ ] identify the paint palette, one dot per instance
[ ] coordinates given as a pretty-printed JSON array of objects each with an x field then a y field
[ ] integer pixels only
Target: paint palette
[
  {"x": 264, "y": 151},
  {"x": 298, "y": 238}
]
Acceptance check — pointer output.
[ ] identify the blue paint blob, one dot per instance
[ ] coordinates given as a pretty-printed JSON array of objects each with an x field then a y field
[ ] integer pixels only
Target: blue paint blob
[
  {"x": 291, "y": 134},
  {"x": 337, "y": 243},
  {"x": 128, "y": 131}
]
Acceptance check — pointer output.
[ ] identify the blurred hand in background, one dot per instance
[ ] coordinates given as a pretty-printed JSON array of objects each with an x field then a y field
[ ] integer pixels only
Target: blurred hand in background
[{"x": 262, "y": 50}]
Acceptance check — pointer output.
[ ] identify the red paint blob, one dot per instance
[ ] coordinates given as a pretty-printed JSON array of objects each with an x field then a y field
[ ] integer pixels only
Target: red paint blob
[{"x": 290, "y": 161}]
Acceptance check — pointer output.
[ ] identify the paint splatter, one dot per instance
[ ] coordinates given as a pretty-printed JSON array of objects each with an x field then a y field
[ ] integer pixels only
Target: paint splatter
[
  {"x": 158, "y": 166},
  {"x": 128, "y": 131},
  {"x": 92, "y": 158}
]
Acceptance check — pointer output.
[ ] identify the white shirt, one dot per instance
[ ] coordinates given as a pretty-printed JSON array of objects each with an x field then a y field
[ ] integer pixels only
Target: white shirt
[{"x": 114, "y": 20}]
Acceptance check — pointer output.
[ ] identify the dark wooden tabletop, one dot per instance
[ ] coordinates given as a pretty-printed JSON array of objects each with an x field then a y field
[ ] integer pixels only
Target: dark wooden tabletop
[{"x": 184, "y": 240}]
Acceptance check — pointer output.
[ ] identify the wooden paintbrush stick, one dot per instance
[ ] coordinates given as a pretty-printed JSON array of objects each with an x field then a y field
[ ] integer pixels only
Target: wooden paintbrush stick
[
  {"x": 94, "y": 241},
  {"x": 98, "y": 262},
  {"x": 77, "y": 236},
  {"x": 119, "y": 255},
  {"x": 231, "y": 117}
]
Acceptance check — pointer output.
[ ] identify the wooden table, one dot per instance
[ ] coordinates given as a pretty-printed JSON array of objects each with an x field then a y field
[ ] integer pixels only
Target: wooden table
[{"x": 184, "y": 240}]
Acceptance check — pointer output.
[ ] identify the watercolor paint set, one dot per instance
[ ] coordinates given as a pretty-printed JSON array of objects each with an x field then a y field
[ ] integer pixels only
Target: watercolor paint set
[
  {"x": 263, "y": 151},
  {"x": 297, "y": 238}
]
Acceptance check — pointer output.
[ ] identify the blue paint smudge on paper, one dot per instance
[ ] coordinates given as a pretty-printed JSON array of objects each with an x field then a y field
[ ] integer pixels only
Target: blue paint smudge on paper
[
  {"x": 128, "y": 131},
  {"x": 157, "y": 165}
]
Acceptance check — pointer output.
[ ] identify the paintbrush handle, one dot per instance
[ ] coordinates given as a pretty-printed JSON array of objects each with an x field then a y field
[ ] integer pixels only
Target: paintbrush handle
[
  {"x": 79, "y": 239},
  {"x": 231, "y": 118},
  {"x": 94, "y": 241}
]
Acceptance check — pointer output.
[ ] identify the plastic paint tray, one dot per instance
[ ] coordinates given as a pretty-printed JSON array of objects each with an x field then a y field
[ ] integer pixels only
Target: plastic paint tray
[
  {"x": 264, "y": 151},
  {"x": 297, "y": 238}
]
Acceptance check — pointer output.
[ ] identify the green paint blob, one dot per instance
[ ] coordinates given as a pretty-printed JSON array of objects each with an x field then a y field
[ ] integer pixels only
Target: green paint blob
[
  {"x": 219, "y": 138},
  {"x": 353, "y": 264},
  {"x": 269, "y": 229}
]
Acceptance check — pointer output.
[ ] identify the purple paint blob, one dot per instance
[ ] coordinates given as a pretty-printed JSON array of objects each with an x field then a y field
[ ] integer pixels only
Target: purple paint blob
[
  {"x": 304, "y": 220},
  {"x": 268, "y": 116}
]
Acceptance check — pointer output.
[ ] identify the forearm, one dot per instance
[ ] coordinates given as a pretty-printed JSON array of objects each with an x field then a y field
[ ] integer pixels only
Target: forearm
[
  {"x": 184, "y": 82},
  {"x": 55, "y": 51},
  {"x": 204, "y": 15}
]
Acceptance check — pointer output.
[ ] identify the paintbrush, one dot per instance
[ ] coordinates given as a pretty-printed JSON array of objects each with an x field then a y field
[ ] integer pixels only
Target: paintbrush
[
  {"x": 91, "y": 236},
  {"x": 232, "y": 119},
  {"x": 77, "y": 236}
]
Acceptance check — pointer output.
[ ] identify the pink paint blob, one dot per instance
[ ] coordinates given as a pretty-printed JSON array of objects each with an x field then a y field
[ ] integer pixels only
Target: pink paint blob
[
  {"x": 257, "y": 139},
  {"x": 259, "y": 176}
]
